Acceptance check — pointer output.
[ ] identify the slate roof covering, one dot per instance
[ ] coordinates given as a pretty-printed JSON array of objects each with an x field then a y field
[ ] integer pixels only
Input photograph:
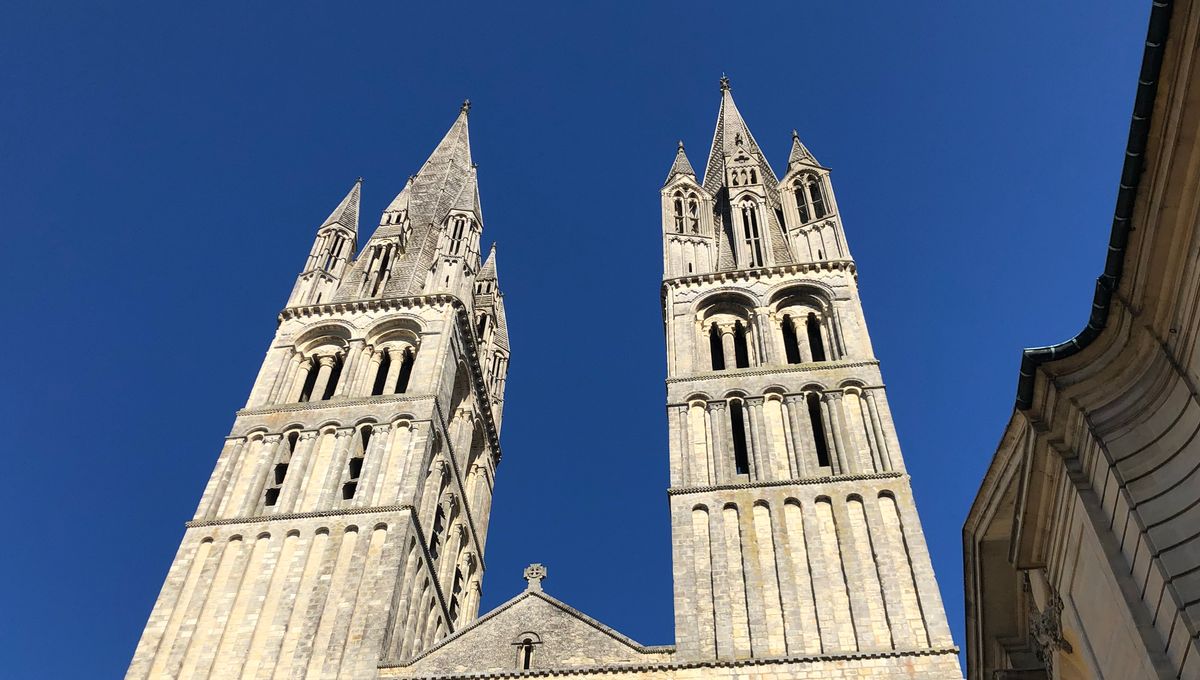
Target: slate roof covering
[
  {"x": 800, "y": 153},
  {"x": 681, "y": 166},
  {"x": 446, "y": 181},
  {"x": 346, "y": 213},
  {"x": 731, "y": 137}
]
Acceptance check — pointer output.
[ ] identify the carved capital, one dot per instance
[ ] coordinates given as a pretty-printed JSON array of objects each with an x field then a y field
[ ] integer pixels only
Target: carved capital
[{"x": 306, "y": 435}]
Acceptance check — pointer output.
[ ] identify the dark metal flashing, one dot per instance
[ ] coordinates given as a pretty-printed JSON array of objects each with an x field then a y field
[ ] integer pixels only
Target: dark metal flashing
[{"x": 1131, "y": 174}]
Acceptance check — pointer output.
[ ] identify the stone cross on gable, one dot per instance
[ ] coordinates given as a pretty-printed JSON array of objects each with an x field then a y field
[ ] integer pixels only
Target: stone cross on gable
[{"x": 534, "y": 574}]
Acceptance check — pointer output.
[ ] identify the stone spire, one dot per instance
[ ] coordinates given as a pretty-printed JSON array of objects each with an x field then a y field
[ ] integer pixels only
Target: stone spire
[
  {"x": 799, "y": 153},
  {"x": 732, "y": 134},
  {"x": 488, "y": 271},
  {"x": 346, "y": 213},
  {"x": 681, "y": 166}
]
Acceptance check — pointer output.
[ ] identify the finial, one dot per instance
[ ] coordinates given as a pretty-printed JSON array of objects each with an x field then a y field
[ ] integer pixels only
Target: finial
[
  {"x": 534, "y": 574},
  {"x": 466, "y": 106},
  {"x": 681, "y": 145},
  {"x": 724, "y": 83},
  {"x": 795, "y": 135},
  {"x": 358, "y": 181}
]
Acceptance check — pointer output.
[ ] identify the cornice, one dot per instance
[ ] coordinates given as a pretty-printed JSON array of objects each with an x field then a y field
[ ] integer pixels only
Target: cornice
[
  {"x": 685, "y": 665},
  {"x": 288, "y": 516},
  {"x": 684, "y": 490},
  {"x": 738, "y": 275},
  {"x": 374, "y": 304},
  {"x": 333, "y": 403},
  {"x": 769, "y": 370}
]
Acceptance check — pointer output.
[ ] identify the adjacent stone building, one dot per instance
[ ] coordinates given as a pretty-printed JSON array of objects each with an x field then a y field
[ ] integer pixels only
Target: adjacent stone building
[
  {"x": 1082, "y": 548},
  {"x": 342, "y": 532}
]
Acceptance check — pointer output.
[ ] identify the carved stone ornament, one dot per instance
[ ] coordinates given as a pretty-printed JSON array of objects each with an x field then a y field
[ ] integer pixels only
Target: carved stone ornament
[
  {"x": 534, "y": 574},
  {"x": 1045, "y": 627}
]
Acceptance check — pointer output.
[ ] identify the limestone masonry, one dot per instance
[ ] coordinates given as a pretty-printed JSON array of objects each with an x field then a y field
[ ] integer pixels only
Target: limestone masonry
[{"x": 342, "y": 532}]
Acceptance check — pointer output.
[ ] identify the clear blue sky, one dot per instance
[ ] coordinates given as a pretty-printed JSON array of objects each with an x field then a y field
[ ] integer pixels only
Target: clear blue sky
[{"x": 163, "y": 169}]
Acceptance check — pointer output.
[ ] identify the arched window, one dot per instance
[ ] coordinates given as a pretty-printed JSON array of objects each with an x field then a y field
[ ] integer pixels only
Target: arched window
[
  {"x": 818, "y": 197},
  {"x": 271, "y": 497},
  {"x": 741, "y": 452},
  {"x": 678, "y": 205},
  {"x": 458, "y": 227},
  {"x": 406, "y": 359},
  {"x": 335, "y": 374},
  {"x": 791, "y": 345},
  {"x": 741, "y": 352},
  {"x": 715, "y": 348},
  {"x": 435, "y": 536},
  {"x": 525, "y": 654},
  {"x": 801, "y": 202},
  {"x": 381, "y": 274},
  {"x": 381, "y": 375},
  {"x": 818, "y": 429},
  {"x": 355, "y": 464},
  {"x": 752, "y": 236},
  {"x": 481, "y": 327},
  {"x": 693, "y": 213},
  {"x": 310, "y": 381},
  {"x": 455, "y": 593},
  {"x": 813, "y": 326},
  {"x": 753, "y": 176}
]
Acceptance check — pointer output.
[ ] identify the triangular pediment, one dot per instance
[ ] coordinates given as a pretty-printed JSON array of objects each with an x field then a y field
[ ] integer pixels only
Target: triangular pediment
[{"x": 562, "y": 637}]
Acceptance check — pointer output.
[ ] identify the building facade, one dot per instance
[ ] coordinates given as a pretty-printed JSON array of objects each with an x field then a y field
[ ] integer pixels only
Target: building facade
[
  {"x": 1082, "y": 548},
  {"x": 797, "y": 550},
  {"x": 346, "y": 517}
]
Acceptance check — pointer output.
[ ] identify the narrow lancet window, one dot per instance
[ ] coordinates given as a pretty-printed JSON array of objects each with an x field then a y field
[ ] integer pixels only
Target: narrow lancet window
[
  {"x": 715, "y": 349},
  {"x": 818, "y": 430},
  {"x": 818, "y": 198},
  {"x": 741, "y": 452},
  {"x": 310, "y": 380},
  {"x": 802, "y": 204},
  {"x": 815, "y": 343},
  {"x": 678, "y": 205},
  {"x": 525, "y": 654},
  {"x": 741, "y": 352},
  {"x": 381, "y": 375},
  {"x": 753, "y": 238},
  {"x": 335, "y": 374},
  {"x": 406, "y": 365},
  {"x": 791, "y": 345}
]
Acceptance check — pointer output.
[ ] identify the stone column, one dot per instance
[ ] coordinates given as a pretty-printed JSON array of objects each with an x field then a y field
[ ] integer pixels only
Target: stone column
[
  {"x": 833, "y": 442},
  {"x": 462, "y": 430},
  {"x": 722, "y": 451},
  {"x": 365, "y": 380},
  {"x": 297, "y": 387},
  {"x": 372, "y": 470},
  {"x": 831, "y": 352},
  {"x": 323, "y": 372},
  {"x": 286, "y": 378},
  {"x": 347, "y": 384},
  {"x": 228, "y": 469},
  {"x": 803, "y": 445},
  {"x": 330, "y": 489},
  {"x": 800, "y": 330},
  {"x": 728, "y": 350},
  {"x": 267, "y": 456},
  {"x": 760, "y": 452},
  {"x": 471, "y": 608},
  {"x": 847, "y": 458},
  {"x": 396, "y": 360},
  {"x": 297, "y": 469},
  {"x": 885, "y": 459}
]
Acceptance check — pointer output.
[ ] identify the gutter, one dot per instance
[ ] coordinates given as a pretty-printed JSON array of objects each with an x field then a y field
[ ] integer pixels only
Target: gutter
[{"x": 1131, "y": 175}]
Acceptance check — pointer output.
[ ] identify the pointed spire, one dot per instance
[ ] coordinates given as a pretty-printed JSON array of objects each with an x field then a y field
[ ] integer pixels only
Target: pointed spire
[
  {"x": 730, "y": 135},
  {"x": 346, "y": 213},
  {"x": 468, "y": 196},
  {"x": 488, "y": 271},
  {"x": 681, "y": 166},
  {"x": 437, "y": 185},
  {"x": 800, "y": 153}
]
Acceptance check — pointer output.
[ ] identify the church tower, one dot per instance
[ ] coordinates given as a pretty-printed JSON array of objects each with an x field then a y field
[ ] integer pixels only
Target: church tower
[
  {"x": 343, "y": 525},
  {"x": 795, "y": 534}
]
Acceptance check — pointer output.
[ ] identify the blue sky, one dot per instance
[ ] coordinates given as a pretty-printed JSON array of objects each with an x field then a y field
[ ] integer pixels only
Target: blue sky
[{"x": 163, "y": 169}]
